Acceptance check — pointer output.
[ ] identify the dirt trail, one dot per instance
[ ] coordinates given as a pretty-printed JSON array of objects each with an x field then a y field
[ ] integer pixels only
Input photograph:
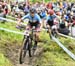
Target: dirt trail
[
  {"x": 13, "y": 55},
  {"x": 12, "y": 50}
]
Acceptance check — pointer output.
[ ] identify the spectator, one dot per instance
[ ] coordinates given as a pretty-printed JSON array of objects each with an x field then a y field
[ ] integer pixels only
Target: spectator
[{"x": 62, "y": 29}]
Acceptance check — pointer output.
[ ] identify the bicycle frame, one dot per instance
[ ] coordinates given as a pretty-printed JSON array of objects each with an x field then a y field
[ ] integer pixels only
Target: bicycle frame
[
  {"x": 52, "y": 32},
  {"x": 30, "y": 36}
]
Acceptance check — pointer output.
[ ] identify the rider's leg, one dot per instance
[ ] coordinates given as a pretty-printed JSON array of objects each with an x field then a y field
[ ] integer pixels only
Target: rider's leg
[
  {"x": 49, "y": 25},
  {"x": 37, "y": 36},
  {"x": 43, "y": 23},
  {"x": 36, "y": 40},
  {"x": 30, "y": 53},
  {"x": 38, "y": 32},
  {"x": 49, "y": 30}
]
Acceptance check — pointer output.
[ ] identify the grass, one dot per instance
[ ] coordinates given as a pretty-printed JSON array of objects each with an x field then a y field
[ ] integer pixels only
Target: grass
[
  {"x": 7, "y": 40},
  {"x": 10, "y": 26},
  {"x": 68, "y": 43},
  {"x": 52, "y": 55},
  {"x": 4, "y": 61}
]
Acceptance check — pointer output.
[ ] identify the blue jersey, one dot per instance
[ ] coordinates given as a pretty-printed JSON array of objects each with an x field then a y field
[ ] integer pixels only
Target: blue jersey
[
  {"x": 51, "y": 17},
  {"x": 34, "y": 19}
]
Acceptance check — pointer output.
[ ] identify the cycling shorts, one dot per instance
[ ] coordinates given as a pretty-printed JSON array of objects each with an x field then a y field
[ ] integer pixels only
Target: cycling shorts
[
  {"x": 30, "y": 25},
  {"x": 50, "y": 23}
]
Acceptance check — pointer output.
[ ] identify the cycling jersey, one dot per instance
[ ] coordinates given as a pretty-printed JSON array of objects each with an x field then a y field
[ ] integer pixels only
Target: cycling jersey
[
  {"x": 34, "y": 19},
  {"x": 50, "y": 20}
]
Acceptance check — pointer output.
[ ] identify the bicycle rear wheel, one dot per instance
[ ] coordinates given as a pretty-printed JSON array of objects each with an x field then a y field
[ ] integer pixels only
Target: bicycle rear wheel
[{"x": 54, "y": 33}]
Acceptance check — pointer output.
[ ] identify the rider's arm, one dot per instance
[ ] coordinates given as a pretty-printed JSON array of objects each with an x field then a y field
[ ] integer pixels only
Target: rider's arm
[
  {"x": 38, "y": 18},
  {"x": 26, "y": 16},
  {"x": 47, "y": 18}
]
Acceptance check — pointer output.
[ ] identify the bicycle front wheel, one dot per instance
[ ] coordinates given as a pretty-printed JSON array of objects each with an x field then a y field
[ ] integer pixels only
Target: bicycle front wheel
[{"x": 23, "y": 51}]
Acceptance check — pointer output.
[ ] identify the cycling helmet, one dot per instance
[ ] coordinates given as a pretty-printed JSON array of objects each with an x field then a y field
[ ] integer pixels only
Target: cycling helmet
[
  {"x": 32, "y": 10},
  {"x": 51, "y": 12}
]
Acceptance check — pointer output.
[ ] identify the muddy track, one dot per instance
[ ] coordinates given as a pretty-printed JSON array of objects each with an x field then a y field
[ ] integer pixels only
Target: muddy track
[
  {"x": 31, "y": 61},
  {"x": 12, "y": 53}
]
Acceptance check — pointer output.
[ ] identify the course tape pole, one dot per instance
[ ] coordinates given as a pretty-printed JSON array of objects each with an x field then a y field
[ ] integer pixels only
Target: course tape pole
[
  {"x": 63, "y": 35},
  {"x": 64, "y": 48},
  {"x": 9, "y": 20},
  {"x": 10, "y": 16},
  {"x": 25, "y": 25},
  {"x": 11, "y": 31},
  {"x": 66, "y": 36}
]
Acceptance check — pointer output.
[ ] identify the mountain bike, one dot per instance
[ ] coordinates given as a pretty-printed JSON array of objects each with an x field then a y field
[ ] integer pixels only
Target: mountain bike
[{"x": 28, "y": 42}]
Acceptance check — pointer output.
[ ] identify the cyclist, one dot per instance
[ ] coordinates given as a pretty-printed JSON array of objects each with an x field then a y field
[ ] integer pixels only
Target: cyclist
[
  {"x": 63, "y": 29},
  {"x": 34, "y": 20},
  {"x": 50, "y": 19}
]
